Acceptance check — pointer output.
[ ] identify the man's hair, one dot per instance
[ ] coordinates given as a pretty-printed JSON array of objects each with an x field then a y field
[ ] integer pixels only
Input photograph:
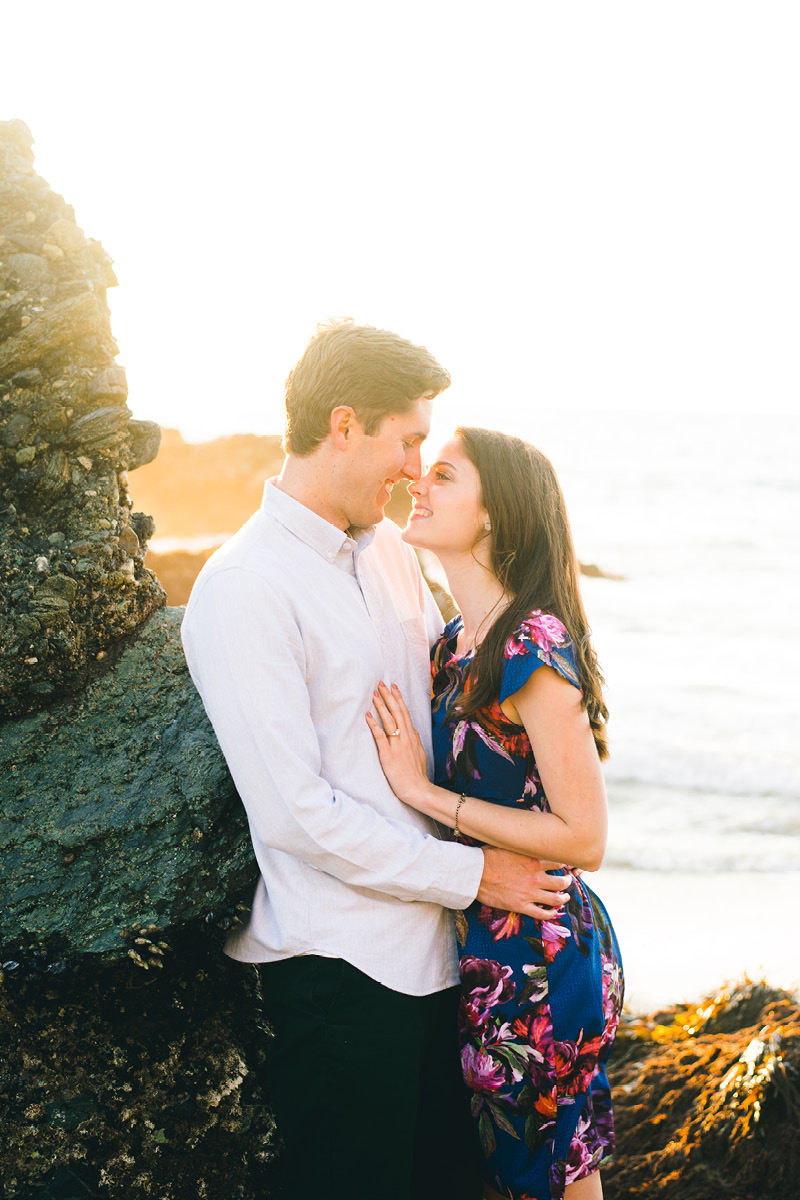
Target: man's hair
[{"x": 376, "y": 373}]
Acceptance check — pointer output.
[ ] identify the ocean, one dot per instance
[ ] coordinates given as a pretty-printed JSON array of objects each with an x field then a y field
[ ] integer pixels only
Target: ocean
[{"x": 699, "y": 641}]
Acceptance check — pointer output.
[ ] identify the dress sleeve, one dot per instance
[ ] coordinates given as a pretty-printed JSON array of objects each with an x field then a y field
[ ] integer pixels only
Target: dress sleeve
[{"x": 540, "y": 639}]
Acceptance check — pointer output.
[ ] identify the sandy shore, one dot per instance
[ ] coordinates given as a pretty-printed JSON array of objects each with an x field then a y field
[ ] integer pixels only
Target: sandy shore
[{"x": 682, "y": 935}]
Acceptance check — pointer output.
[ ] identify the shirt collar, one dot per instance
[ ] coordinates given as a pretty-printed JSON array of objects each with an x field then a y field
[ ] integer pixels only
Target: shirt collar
[{"x": 328, "y": 540}]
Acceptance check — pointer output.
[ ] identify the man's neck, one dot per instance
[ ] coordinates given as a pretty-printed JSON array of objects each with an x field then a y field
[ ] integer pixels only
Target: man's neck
[{"x": 307, "y": 481}]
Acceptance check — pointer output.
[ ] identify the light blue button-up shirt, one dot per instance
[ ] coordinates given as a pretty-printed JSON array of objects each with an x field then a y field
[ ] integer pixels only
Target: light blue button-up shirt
[{"x": 289, "y": 627}]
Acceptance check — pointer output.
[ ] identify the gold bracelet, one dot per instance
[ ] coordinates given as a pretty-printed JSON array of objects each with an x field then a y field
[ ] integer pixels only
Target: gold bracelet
[{"x": 458, "y": 809}]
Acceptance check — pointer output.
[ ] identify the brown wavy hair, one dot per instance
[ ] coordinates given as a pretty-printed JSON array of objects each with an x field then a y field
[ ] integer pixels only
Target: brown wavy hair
[
  {"x": 533, "y": 557},
  {"x": 374, "y": 371}
]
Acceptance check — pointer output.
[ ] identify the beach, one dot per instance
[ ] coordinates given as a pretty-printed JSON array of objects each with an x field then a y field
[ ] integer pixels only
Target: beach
[{"x": 684, "y": 934}]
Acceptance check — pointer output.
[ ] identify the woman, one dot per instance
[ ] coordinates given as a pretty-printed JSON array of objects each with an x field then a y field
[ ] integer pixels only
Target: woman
[{"x": 519, "y": 731}]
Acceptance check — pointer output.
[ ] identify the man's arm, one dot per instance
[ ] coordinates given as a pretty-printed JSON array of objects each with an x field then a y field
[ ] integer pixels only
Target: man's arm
[{"x": 247, "y": 659}]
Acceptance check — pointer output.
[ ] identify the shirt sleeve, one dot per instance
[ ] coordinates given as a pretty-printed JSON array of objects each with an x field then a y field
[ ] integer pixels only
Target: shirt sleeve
[
  {"x": 540, "y": 640},
  {"x": 246, "y": 657}
]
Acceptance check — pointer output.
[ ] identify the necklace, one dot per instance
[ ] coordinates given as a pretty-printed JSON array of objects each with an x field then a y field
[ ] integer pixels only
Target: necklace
[{"x": 470, "y": 645}]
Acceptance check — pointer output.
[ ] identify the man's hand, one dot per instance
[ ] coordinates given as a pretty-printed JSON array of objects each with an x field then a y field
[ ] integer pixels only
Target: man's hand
[{"x": 517, "y": 884}]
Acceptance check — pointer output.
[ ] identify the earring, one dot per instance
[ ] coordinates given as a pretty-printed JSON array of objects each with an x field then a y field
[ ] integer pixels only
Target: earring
[{"x": 488, "y": 527}]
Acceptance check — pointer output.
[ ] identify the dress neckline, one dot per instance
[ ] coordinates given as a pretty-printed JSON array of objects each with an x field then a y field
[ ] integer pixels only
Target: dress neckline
[{"x": 458, "y": 625}]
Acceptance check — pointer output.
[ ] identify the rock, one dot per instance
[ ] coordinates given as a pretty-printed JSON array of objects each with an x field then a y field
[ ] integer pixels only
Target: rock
[
  {"x": 63, "y": 323},
  {"x": 66, "y": 441},
  {"x": 16, "y": 429},
  {"x": 125, "y": 1084},
  {"x": 54, "y": 253},
  {"x": 66, "y": 236},
  {"x": 592, "y": 571},
  {"x": 145, "y": 439},
  {"x": 30, "y": 269},
  {"x": 27, "y": 378},
  {"x": 115, "y": 846},
  {"x": 18, "y": 134},
  {"x": 95, "y": 426},
  {"x": 707, "y": 1099},
  {"x": 143, "y": 526},
  {"x": 128, "y": 541},
  {"x": 111, "y": 381}
]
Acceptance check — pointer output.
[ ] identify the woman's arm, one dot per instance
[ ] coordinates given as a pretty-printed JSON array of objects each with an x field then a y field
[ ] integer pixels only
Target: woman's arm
[{"x": 549, "y": 708}]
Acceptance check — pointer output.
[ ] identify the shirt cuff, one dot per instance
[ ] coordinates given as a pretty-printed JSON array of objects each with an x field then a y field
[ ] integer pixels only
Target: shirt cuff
[{"x": 461, "y": 876}]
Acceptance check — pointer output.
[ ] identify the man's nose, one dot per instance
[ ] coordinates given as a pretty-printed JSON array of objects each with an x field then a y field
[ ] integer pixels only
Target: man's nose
[{"x": 412, "y": 467}]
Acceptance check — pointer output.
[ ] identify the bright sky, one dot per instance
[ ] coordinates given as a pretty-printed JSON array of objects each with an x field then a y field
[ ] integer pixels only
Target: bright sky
[{"x": 574, "y": 206}]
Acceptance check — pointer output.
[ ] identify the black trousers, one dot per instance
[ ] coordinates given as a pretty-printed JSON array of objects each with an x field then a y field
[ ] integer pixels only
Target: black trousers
[{"x": 366, "y": 1085}]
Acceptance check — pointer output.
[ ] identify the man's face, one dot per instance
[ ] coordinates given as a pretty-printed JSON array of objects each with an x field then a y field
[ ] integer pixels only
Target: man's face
[{"x": 374, "y": 464}]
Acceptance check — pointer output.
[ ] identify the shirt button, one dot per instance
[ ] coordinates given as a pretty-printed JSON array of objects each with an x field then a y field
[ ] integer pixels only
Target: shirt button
[{"x": 330, "y": 556}]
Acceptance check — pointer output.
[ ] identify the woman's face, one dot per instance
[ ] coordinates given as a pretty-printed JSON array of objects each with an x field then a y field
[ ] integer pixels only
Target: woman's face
[{"x": 447, "y": 514}]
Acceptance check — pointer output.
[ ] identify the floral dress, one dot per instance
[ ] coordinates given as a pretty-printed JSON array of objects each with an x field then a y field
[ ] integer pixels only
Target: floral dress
[{"x": 540, "y": 999}]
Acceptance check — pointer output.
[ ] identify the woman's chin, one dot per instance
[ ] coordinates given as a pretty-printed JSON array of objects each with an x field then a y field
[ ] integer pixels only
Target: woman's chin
[{"x": 412, "y": 534}]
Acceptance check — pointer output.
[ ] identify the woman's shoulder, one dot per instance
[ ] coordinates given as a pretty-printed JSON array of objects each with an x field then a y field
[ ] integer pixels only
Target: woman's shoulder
[
  {"x": 537, "y": 633},
  {"x": 541, "y": 638}
]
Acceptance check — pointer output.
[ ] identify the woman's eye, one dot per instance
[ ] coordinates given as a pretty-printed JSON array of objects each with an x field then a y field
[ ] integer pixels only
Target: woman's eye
[{"x": 441, "y": 475}]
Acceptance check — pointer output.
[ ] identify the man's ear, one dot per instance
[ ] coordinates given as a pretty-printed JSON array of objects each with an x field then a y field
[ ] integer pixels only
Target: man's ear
[{"x": 343, "y": 422}]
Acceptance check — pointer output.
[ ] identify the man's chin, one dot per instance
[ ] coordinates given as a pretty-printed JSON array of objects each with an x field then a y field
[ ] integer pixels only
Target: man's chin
[{"x": 366, "y": 520}]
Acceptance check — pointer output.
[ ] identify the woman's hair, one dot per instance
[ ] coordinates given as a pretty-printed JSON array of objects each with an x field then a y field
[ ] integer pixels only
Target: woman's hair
[
  {"x": 533, "y": 557},
  {"x": 376, "y": 372}
]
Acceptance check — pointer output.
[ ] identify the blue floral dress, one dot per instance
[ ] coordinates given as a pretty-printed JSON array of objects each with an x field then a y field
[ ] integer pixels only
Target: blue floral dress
[{"x": 541, "y": 1000}]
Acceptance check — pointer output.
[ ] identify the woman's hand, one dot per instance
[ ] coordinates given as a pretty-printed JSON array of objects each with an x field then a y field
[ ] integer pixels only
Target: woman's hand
[{"x": 400, "y": 750}]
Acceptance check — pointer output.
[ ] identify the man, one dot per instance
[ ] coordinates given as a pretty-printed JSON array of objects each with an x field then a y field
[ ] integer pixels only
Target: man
[{"x": 288, "y": 630}]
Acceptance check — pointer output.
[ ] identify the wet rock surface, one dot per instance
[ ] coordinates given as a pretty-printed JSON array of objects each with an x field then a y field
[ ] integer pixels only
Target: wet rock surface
[
  {"x": 118, "y": 811},
  {"x": 71, "y": 586}
]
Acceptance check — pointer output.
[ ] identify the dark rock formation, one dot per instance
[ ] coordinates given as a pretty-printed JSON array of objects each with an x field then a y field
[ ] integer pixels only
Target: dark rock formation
[
  {"x": 131, "y": 1048},
  {"x": 126, "y": 1085},
  {"x": 118, "y": 811},
  {"x": 72, "y": 576}
]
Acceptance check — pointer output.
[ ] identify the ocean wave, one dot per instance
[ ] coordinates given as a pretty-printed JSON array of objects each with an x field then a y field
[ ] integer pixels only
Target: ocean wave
[
  {"x": 656, "y": 859},
  {"x": 730, "y": 774},
  {"x": 659, "y": 828}
]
